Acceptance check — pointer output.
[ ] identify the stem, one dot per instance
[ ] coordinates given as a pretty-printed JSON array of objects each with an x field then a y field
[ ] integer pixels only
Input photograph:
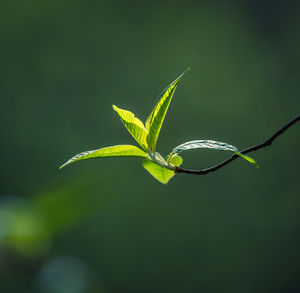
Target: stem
[{"x": 268, "y": 142}]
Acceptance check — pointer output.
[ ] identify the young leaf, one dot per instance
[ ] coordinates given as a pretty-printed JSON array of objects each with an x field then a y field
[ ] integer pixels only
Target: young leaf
[
  {"x": 249, "y": 159},
  {"x": 208, "y": 144},
  {"x": 135, "y": 126},
  {"x": 211, "y": 144},
  {"x": 157, "y": 158},
  {"x": 174, "y": 159},
  {"x": 162, "y": 174},
  {"x": 158, "y": 113},
  {"x": 112, "y": 151}
]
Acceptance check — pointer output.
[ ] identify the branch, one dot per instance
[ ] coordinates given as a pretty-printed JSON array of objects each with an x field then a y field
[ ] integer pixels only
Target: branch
[{"x": 268, "y": 142}]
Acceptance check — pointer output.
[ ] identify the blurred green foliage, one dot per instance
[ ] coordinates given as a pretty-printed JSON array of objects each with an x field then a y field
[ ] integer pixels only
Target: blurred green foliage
[{"x": 64, "y": 63}]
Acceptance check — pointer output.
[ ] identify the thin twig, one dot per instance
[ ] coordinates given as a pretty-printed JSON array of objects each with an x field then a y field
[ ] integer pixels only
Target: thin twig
[{"x": 268, "y": 142}]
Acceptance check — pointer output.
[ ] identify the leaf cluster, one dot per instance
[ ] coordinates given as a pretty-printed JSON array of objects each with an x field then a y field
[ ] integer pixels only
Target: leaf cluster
[{"x": 146, "y": 135}]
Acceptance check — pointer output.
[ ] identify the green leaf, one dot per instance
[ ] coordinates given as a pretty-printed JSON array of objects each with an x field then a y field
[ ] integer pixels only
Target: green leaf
[
  {"x": 112, "y": 151},
  {"x": 208, "y": 144},
  {"x": 249, "y": 159},
  {"x": 159, "y": 160},
  {"x": 135, "y": 126},
  {"x": 174, "y": 159},
  {"x": 160, "y": 173},
  {"x": 158, "y": 113},
  {"x": 211, "y": 144}
]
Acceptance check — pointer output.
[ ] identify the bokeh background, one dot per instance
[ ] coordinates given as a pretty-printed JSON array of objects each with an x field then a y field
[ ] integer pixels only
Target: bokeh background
[{"x": 107, "y": 225}]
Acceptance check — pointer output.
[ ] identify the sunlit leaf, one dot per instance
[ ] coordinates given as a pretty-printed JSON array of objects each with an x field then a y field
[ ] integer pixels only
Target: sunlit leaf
[
  {"x": 163, "y": 169},
  {"x": 112, "y": 151},
  {"x": 158, "y": 113},
  {"x": 249, "y": 159},
  {"x": 211, "y": 144},
  {"x": 134, "y": 126},
  {"x": 174, "y": 159},
  {"x": 208, "y": 144},
  {"x": 162, "y": 174},
  {"x": 159, "y": 160}
]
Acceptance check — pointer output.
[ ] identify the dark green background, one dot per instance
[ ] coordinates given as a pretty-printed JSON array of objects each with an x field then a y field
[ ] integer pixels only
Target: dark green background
[{"x": 107, "y": 225}]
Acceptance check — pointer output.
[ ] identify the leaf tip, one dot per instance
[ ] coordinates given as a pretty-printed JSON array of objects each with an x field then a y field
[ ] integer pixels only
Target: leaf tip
[
  {"x": 253, "y": 162},
  {"x": 65, "y": 164},
  {"x": 249, "y": 159},
  {"x": 183, "y": 73},
  {"x": 60, "y": 167}
]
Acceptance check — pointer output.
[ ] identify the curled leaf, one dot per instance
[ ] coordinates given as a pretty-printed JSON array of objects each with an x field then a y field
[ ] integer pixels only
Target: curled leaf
[{"x": 211, "y": 144}]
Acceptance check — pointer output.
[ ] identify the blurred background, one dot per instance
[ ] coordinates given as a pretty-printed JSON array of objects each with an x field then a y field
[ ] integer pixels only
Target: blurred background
[{"x": 107, "y": 225}]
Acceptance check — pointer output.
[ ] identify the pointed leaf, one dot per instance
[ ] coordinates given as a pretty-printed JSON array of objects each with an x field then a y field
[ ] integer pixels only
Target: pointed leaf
[
  {"x": 134, "y": 125},
  {"x": 249, "y": 159},
  {"x": 208, "y": 144},
  {"x": 158, "y": 113},
  {"x": 112, "y": 151},
  {"x": 211, "y": 144},
  {"x": 162, "y": 174}
]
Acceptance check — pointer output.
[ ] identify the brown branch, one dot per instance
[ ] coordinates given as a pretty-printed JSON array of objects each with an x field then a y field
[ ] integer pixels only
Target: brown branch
[{"x": 268, "y": 142}]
